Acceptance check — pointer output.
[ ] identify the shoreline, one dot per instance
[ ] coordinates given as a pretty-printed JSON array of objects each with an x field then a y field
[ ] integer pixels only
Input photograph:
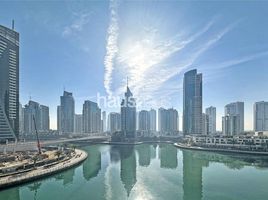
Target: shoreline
[
  {"x": 182, "y": 146},
  {"x": 40, "y": 172}
]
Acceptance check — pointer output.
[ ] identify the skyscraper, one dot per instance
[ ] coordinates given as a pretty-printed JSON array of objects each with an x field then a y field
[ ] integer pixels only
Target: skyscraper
[
  {"x": 41, "y": 115},
  {"x": 231, "y": 125},
  {"x": 78, "y": 123},
  {"x": 192, "y": 103},
  {"x": 168, "y": 121},
  {"x": 44, "y": 118},
  {"x": 172, "y": 119},
  {"x": 152, "y": 120},
  {"x": 261, "y": 116},
  {"x": 144, "y": 122},
  {"x": 91, "y": 117},
  {"x": 233, "y": 121},
  {"x": 114, "y": 122},
  {"x": 211, "y": 114},
  {"x": 104, "y": 122},
  {"x": 9, "y": 83},
  {"x": 128, "y": 115},
  {"x": 66, "y": 113},
  {"x": 162, "y": 120},
  {"x": 31, "y": 111},
  {"x": 21, "y": 117},
  {"x": 204, "y": 124}
]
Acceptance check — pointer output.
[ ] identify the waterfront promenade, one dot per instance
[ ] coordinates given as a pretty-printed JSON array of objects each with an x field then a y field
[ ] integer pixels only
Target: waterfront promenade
[{"x": 42, "y": 172}]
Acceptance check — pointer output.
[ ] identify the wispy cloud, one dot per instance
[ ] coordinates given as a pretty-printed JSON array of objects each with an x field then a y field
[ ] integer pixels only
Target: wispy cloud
[
  {"x": 143, "y": 60},
  {"x": 147, "y": 61},
  {"x": 237, "y": 61},
  {"x": 78, "y": 24},
  {"x": 111, "y": 47}
]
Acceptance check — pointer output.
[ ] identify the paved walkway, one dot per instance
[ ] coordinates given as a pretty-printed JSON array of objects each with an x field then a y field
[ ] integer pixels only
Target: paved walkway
[{"x": 41, "y": 172}]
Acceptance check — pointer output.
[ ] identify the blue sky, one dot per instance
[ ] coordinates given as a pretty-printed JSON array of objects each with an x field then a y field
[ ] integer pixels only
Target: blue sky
[{"x": 90, "y": 47}]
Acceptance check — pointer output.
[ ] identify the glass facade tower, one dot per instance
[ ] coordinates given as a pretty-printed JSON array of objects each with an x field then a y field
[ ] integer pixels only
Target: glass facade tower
[{"x": 9, "y": 84}]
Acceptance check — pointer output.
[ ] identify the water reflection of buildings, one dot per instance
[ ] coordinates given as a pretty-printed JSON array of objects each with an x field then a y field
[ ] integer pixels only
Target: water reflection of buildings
[
  {"x": 128, "y": 165},
  {"x": 144, "y": 152},
  {"x": 192, "y": 175},
  {"x": 92, "y": 165},
  {"x": 67, "y": 176},
  {"x": 114, "y": 154},
  {"x": 168, "y": 156},
  {"x": 153, "y": 151},
  {"x": 11, "y": 194},
  {"x": 194, "y": 162}
]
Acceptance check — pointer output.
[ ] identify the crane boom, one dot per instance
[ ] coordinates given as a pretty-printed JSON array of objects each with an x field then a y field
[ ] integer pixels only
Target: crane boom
[{"x": 37, "y": 137}]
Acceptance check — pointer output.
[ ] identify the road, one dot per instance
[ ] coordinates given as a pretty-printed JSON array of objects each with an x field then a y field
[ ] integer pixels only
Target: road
[{"x": 31, "y": 145}]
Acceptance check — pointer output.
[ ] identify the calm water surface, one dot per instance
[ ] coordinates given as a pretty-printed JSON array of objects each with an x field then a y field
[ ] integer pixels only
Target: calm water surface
[{"x": 152, "y": 172}]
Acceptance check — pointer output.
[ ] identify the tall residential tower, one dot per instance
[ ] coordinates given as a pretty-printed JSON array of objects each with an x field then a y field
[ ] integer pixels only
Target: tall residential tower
[
  {"x": 66, "y": 113},
  {"x": 192, "y": 103},
  {"x": 261, "y": 116},
  {"x": 211, "y": 118},
  {"x": 9, "y": 83}
]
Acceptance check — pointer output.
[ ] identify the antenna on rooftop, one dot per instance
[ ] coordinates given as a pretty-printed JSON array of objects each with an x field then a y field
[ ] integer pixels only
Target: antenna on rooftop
[{"x": 127, "y": 81}]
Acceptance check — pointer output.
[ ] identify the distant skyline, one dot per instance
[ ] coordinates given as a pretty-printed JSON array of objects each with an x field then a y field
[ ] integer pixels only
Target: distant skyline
[{"x": 88, "y": 47}]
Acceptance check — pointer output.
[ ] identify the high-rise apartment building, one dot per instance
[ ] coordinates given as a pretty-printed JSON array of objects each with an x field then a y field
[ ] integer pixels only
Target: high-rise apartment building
[
  {"x": 39, "y": 113},
  {"x": 21, "y": 121},
  {"x": 192, "y": 103},
  {"x": 66, "y": 112},
  {"x": 9, "y": 83},
  {"x": 233, "y": 121},
  {"x": 91, "y": 117},
  {"x": 152, "y": 113},
  {"x": 44, "y": 118},
  {"x": 162, "y": 120},
  {"x": 144, "y": 120},
  {"x": 104, "y": 121},
  {"x": 211, "y": 120},
  {"x": 204, "y": 124},
  {"x": 78, "y": 123},
  {"x": 114, "y": 122},
  {"x": 231, "y": 125},
  {"x": 168, "y": 121},
  {"x": 260, "y": 116}
]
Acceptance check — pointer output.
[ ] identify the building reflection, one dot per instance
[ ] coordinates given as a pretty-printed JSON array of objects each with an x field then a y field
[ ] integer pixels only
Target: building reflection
[
  {"x": 10, "y": 194},
  {"x": 144, "y": 152},
  {"x": 168, "y": 156},
  {"x": 92, "y": 165},
  {"x": 127, "y": 156},
  {"x": 153, "y": 151},
  {"x": 192, "y": 175},
  {"x": 195, "y": 161},
  {"x": 114, "y": 154},
  {"x": 68, "y": 176}
]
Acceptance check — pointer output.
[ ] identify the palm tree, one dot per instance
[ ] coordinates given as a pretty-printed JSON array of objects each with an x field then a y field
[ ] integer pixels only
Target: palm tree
[
  {"x": 34, "y": 159},
  {"x": 58, "y": 154}
]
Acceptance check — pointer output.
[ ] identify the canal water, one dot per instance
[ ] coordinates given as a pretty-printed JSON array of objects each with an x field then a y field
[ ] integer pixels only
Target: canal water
[{"x": 152, "y": 172}]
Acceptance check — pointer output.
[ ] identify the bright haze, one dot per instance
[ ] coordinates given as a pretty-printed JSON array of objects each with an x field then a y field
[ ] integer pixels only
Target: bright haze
[{"x": 90, "y": 47}]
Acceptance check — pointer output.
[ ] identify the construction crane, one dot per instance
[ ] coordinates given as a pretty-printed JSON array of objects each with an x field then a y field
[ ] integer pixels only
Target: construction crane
[{"x": 37, "y": 137}]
